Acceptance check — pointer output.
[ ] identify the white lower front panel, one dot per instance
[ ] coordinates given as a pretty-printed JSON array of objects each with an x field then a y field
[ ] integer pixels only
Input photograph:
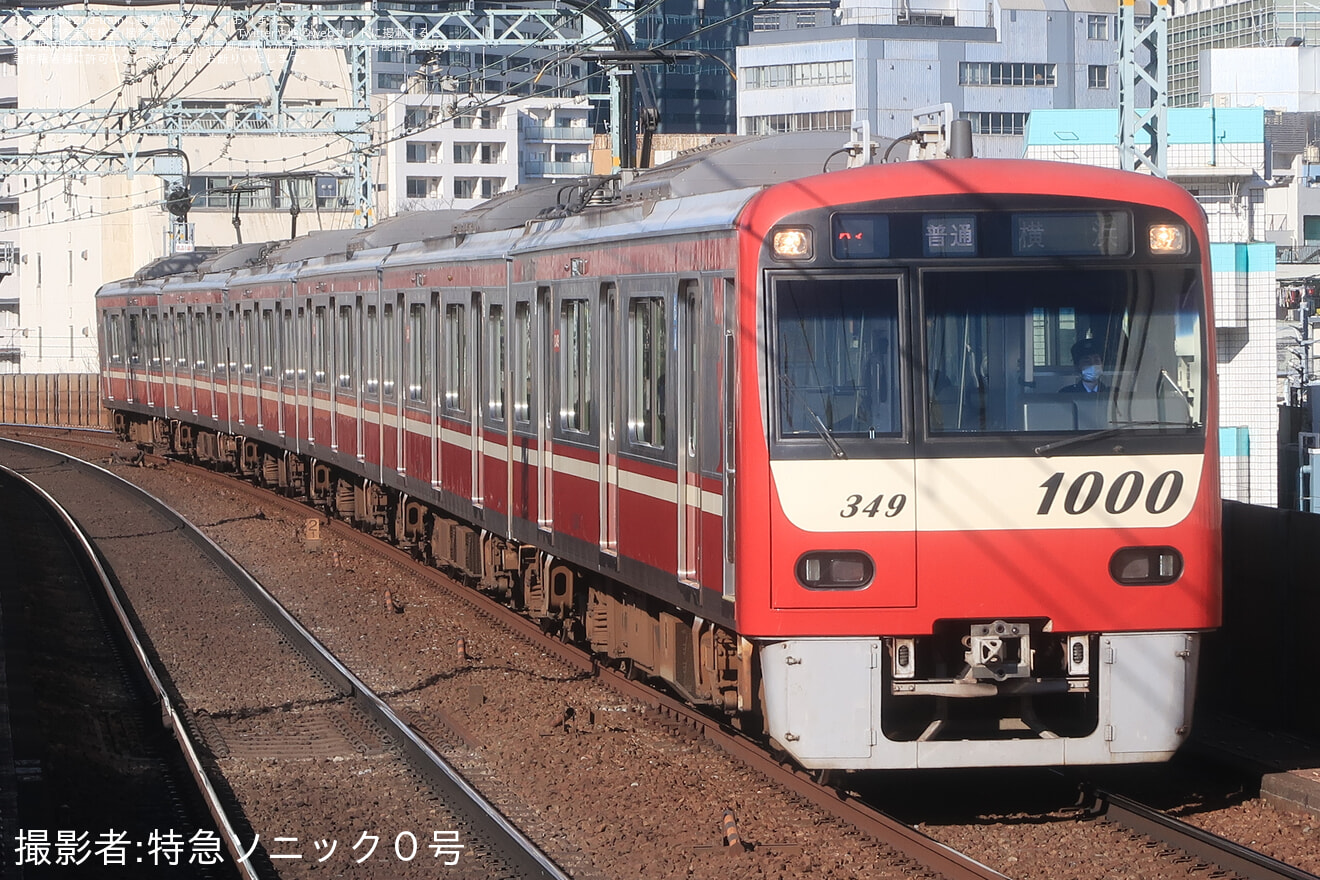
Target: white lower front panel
[{"x": 823, "y": 705}]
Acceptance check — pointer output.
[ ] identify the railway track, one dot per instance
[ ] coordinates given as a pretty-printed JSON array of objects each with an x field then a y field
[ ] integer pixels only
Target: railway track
[
  {"x": 919, "y": 851},
  {"x": 1209, "y": 849},
  {"x": 476, "y": 827}
]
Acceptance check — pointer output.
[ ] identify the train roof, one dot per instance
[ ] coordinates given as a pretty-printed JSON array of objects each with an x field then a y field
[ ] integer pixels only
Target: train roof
[{"x": 702, "y": 188}]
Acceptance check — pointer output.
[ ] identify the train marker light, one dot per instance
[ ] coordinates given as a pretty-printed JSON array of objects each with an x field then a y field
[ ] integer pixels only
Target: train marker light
[
  {"x": 1168, "y": 238},
  {"x": 1145, "y": 566},
  {"x": 792, "y": 243},
  {"x": 835, "y": 570}
]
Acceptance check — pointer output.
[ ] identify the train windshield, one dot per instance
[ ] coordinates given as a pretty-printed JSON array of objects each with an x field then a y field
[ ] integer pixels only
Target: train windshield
[
  {"x": 1063, "y": 351},
  {"x": 837, "y": 358}
]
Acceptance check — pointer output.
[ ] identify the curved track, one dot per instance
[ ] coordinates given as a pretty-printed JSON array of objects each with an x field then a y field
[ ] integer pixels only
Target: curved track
[{"x": 510, "y": 853}]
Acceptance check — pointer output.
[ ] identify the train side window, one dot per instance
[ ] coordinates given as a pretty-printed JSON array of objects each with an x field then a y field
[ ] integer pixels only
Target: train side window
[
  {"x": 114, "y": 338},
  {"x": 247, "y": 341},
  {"x": 153, "y": 338},
  {"x": 134, "y": 340},
  {"x": 197, "y": 341},
  {"x": 456, "y": 381},
  {"x": 522, "y": 363},
  {"x": 217, "y": 346},
  {"x": 320, "y": 347},
  {"x": 496, "y": 365},
  {"x": 344, "y": 338},
  {"x": 287, "y": 357},
  {"x": 419, "y": 378},
  {"x": 267, "y": 342},
  {"x": 371, "y": 353},
  {"x": 575, "y": 366},
  {"x": 181, "y": 345},
  {"x": 646, "y": 371},
  {"x": 389, "y": 351}
]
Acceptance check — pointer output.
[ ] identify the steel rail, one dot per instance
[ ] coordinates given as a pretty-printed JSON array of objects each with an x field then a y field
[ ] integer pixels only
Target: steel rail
[
  {"x": 1226, "y": 854},
  {"x": 170, "y": 715},
  {"x": 509, "y": 843},
  {"x": 904, "y": 839}
]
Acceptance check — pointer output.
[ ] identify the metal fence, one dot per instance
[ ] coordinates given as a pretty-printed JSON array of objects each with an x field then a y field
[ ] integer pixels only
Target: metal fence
[{"x": 71, "y": 400}]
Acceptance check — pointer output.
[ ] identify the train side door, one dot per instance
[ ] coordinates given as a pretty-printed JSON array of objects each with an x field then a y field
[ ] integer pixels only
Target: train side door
[
  {"x": 479, "y": 404},
  {"x": 545, "y": 460},
  {"x": 688, "y": 347},
  {"x": 609, "y": 429}
]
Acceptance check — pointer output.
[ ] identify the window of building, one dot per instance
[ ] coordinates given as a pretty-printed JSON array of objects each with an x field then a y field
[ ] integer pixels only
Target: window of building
[
  {"x": 813, "y": 73},
  {"x": 1097, "y": 27},
  {"x": 465, "y": 154},
  {"x": 422, "y": 187},
  {"x": 996, "y": 123},
  {"x": 826, "y": 120},
  {"x": 1311, "y": 229},
  {"x": 465, "y": 187},
  {"x": 422, "y": 151},
  {"x": 999, "y": 73},
  {"x": 1097, "y": 76}
]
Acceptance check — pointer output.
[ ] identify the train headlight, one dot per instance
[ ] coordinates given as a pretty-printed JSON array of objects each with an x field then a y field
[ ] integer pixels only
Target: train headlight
[
  {"x": 792, "y": 243},
  {"x": 1168, "y": 238},
  {"x": 835, "y": 570},
  {"x": 1142, "y": 566}
]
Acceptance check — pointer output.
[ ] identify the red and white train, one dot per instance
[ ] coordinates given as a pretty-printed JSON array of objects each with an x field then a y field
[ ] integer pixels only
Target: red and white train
[{"x": 811, "y": 448}]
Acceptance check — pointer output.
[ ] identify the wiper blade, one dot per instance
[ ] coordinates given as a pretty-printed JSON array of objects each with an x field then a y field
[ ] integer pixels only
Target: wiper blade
[
  {"x": 1121, "y": 428},
  {"x": 819, "y": 423}
]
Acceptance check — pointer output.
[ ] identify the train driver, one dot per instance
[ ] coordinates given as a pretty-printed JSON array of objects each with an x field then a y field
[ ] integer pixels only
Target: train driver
[{"x": 1088, "y": 357}]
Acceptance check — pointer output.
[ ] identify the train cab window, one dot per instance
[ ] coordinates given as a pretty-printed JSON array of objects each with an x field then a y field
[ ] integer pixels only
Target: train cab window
[
  {"x": 320, "y": 347},
  {"x": 575, "y": 385},
  {"x": 647, "y": 366},
  {"x": 496, "y": 365},
  {"x": 522, "y": 363},
  {"x": 837, "y": 360},
  {"x": 266, "y": 346},
  {"x": 389, "y": 351},
  {"x": 419, "y": 366},
  {"x": 455, "y": 348},
  {"x": 371, "y": 353},
  {"x": 345, "y": 351},
  {"x": 1005, "y": 351}
]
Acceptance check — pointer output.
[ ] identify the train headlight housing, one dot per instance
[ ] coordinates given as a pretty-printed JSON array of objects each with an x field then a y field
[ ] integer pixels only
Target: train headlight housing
[
  {"x": 1145, "y": 566},
  {"x": 792, "y": 243},
  {"x": 1168, "y": 238},
  {"x": 835, "y": 570}
]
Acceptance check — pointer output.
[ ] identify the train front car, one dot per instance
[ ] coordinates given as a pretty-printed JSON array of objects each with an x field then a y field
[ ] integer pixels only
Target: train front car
[{"x": 977, "y": 499}]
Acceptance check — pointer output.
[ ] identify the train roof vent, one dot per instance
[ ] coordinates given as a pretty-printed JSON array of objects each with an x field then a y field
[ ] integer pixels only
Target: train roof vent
[
  {"x": 737, "y": 163},
  {"x": 174, "y": 264},
  {"x": 513, "y": 209},
  {"x": 408, "y": 226}
]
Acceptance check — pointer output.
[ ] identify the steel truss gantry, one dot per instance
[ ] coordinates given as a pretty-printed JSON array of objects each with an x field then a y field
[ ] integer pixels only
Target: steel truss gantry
[
  {"x": 1153, "y": 37},
  {"x": 359, "y": 33}
]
